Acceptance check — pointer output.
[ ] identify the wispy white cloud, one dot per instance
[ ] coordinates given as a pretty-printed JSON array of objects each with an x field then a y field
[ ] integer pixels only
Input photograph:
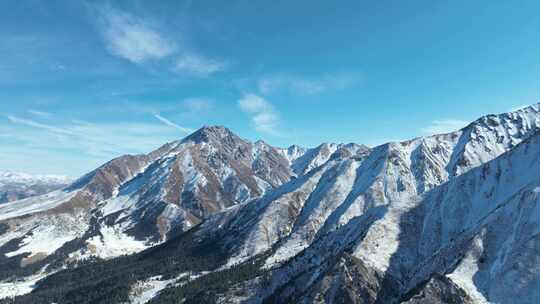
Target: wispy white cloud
[
  {"x": 42, "y": 114},
  {"x": 83, "y": 144},
  {"x": 263, "y": 115},
  {"x": 106, "y": 139},
  {"x": 252, "y": 103},
  {"x": 131, "y": 38},
  {"x": 306, "y": 85},
  {"x": 266, "y": 122},
  {"x": 198, "y": 65},
  {"x": 172, "y": 124},
  {"x": 444, "y": 126},
  {"x": 32, "y": 123}
]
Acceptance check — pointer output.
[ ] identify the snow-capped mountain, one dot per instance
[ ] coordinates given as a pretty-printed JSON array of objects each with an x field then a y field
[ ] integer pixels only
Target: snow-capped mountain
[
  {"x": 16, "y": 186},
  {"x": 450, "y": 218},
  {"x": 401, "y": 215},
  {"x": 136, "y": 201}
]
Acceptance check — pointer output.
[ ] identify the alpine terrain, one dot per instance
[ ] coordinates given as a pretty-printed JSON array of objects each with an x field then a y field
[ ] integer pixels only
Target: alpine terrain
[
  {"x": 16, "y": 186},
  {"x": 214, "y": 218}
]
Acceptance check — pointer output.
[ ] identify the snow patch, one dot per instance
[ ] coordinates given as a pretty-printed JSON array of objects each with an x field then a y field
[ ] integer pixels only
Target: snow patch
[
  {"x": 144, "y": 291},
  {"x": 46, "y": 239},
  {"x": 35, "y": 204},
  {"x": 22, "y": 286},
  {"x": 112, "y": 243},
  {"x": 463, "y": 275}
]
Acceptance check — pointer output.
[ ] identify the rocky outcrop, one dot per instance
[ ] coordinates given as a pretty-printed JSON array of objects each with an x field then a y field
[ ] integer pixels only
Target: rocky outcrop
[{"x": 438, "y": 290}]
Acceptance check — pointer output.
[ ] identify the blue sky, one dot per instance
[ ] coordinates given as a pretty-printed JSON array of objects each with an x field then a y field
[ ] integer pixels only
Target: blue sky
[{"x": 83, "y": 82}]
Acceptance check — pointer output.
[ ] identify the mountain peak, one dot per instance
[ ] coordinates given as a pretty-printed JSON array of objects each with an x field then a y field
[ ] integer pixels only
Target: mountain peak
[
  {"x": 215, "y": 129},
  {"x": 209, "y": 133}
]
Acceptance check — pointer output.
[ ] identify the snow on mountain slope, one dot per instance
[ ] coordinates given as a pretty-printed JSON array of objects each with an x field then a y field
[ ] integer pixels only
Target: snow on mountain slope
[
  {"x": 260, "y": 224},
  {"x": 38, "y": 233},
  {"x": 474, "y": 238},
  {"x": 16, "y": 186},
  {"x": 304, "y": 160},
  {"x": 395, "y": 176},
  {"x": 292, "y": 153},
  {"x": 492, "y": 135},
  {"x": 492, "y": 214},
  {"x": 28, "y": 243},
  {"x": 63, "y": 217},
  {"x": 136, "y": 201},
  {"x": 35, "y": 204},
  {"x": 208, "y": 171},
  {"x": 20, "y": 287},
  {"x": 424, "y": 216}
]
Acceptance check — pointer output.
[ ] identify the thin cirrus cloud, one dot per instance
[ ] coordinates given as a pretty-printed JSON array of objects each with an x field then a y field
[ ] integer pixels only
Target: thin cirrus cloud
[
  {"x": 34, "y": 124},
  {"x": 132, "y": 38},
  {"x": 444, "y": 126},
  {"x": 94, "y": 143},
  {"x": 172, "y": 124},
  {"x": 40, "y": 113},
  {"x": 263, "y": 115},
  {"x": 197, "y": 65}
]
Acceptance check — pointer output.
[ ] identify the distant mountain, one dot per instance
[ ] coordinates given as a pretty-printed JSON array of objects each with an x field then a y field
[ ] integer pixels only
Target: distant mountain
[
  {"x": 213, "y": 218},
  {"x": 16, "y": 186}
]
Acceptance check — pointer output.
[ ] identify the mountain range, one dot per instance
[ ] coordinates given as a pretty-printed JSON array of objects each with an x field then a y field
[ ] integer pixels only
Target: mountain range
[
  {"x": 214, "y": 218},
  {"x": 16, "y": 186}
]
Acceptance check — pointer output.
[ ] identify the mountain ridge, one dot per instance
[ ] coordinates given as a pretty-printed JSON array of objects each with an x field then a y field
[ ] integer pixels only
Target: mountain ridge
[
  {"x": 309, "y": 219},
  {"x": 16, "y": 185}
]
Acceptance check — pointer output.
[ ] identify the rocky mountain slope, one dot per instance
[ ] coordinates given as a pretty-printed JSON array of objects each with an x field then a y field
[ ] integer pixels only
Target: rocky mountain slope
[
  {"x": 450, "y": 218},
  {"x": 136, "y": 201},
  {"x": 16, "y": 186}
]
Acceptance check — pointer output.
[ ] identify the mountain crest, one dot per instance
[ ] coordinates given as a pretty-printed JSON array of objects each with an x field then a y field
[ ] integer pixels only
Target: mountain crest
[
  {"x": 208, "y": 134},
  {"x": 448, "y": 213}
]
